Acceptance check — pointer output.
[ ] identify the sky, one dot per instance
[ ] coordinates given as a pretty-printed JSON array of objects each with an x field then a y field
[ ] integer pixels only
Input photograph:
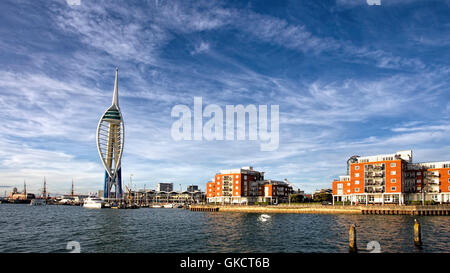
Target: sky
[{"x": 349, "y": 79}]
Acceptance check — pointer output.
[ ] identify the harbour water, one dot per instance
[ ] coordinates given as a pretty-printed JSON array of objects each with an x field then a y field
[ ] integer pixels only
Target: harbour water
[{"x": 27, "y": 228}]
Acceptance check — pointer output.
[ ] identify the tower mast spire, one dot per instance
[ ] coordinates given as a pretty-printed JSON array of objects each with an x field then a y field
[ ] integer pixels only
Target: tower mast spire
[{"x": 115, "y": 100}]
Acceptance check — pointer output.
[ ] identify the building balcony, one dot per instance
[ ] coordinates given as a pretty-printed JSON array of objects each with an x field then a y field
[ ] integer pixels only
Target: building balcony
[
  {"x": 374, "y": 191},
  {"x": 374, "y": 183}
]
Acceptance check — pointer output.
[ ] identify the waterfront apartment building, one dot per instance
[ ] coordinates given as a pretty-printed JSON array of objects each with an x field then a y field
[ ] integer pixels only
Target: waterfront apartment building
[
  {"x": 245, "y": 186},
  {"x": 167, "y": 187},
  {"x": 392, "y": 178}
]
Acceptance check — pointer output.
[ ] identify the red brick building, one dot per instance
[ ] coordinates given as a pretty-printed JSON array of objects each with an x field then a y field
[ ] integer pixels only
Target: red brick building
[
  {"x": 393, "y": 178},
  {"x": 246, "y": 186}
]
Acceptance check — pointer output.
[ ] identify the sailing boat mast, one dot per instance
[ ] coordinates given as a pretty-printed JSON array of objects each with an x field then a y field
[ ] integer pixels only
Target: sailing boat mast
[
  {"x": 44, "y": 192},
  {"x": 72, "y": 192}
]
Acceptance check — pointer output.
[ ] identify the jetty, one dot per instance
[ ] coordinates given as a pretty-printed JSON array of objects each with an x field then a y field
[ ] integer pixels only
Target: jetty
[{"x": 430, "y": 210}]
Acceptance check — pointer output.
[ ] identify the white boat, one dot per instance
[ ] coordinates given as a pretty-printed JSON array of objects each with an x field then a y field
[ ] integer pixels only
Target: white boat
[
  {"x": 156, "y": 206},
  {"x": 38, "y": 202},
  {"x": 93, "y": 203},
  {"x": 168, "y": 206}
]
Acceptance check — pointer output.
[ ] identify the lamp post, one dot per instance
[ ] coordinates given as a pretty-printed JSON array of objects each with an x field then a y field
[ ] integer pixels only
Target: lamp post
[{"x": 131, "y": 188}]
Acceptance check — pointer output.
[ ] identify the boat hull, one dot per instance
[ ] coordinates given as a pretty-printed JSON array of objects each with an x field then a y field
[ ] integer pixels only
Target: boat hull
[{"x": 93, "y": 205}]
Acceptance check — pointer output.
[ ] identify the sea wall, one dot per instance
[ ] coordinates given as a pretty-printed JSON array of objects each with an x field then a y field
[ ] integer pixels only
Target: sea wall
[{"x": 320, "y": 209}]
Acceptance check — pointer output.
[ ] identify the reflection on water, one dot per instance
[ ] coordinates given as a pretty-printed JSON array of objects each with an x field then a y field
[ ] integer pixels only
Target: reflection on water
[{"x": 50, "y": 228}]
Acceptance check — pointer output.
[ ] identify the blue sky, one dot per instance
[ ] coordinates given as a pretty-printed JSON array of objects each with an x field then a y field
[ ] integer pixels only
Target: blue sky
[{"x": 349, "y": 78}]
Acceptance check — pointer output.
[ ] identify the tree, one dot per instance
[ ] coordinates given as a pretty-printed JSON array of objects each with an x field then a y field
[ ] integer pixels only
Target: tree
[
  {"x": 297, "y": 198},
  {"x": 323, "y": 196}
]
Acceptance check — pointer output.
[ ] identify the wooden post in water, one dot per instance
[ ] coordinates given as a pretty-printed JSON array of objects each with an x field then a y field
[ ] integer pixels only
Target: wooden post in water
[
  {"x": 352, "y": 239},
  {"x": 417, "y": 234}
]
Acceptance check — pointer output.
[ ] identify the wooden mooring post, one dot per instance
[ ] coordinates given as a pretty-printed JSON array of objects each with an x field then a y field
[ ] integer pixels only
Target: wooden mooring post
[
  {"x": 417, "y": 234},
  {"x": 352, "y": 239}
]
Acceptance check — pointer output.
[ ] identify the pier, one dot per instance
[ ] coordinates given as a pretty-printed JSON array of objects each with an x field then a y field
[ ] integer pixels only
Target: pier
[{"x": 434, "y": 210}]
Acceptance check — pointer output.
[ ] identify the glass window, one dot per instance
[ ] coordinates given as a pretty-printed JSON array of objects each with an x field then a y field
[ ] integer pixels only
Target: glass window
[
  {"x": 393, "y": 172},
  {"x": 393, "y": 180},
  {"x": 356, "y": 182},
  {"x": 356, "y": 167},
  {"x": 393, "y": 164},
  {"x": 356, "y": 174},
  {"x": 356, "y": 189},
  {"x": 393, "y": 188}
]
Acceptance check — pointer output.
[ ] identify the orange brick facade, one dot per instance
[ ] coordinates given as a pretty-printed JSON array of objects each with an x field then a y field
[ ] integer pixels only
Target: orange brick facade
[
  {"x": 393, "y": 178},
  {"x": 245, "y": 185}
]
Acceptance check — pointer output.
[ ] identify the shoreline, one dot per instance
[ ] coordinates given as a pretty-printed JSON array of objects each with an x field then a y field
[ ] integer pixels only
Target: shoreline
[{"x": 430, "y": 210}]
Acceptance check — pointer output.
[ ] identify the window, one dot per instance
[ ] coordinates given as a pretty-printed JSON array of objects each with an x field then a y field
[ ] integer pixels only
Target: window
[
  {"x": 237, "y": 176},
  {"x": 356, "y": 182},
  {"x": 393, "y": 164},
  {"x": 419, "y": 180},
  {"x": 218, "y": 183},
  {"x": 236, "y": 182},
  {"x": 356, "y": 167},
  {"x": 245, "y": 177},
  {"x": 339, "y": 186},
  {"x": 356, "y": 174},
  {"x": 218, "y": 188},
  {"x": 393, "y": 180},
  {"x": 418, "y": 173},
  {"x": 393, "y": 188},
  {"x": 348, "y": 190},
  {"x": 236, "y": 187},
  {"x": 448, "y": 172},
  {"x": 393, "y": 172},
  {"x": 348, "y": 184},
  {"x": 210, "y": 189},
  {"x": 356, "y": 189},
  {"x": 210, "y": 185}
]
